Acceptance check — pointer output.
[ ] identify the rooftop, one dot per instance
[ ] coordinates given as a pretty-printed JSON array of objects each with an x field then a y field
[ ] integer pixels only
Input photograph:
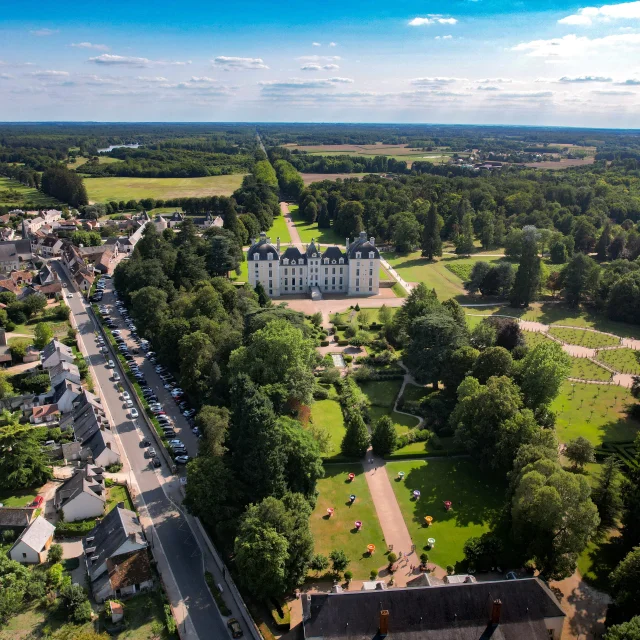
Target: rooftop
[{"x": 37, "y": 534}]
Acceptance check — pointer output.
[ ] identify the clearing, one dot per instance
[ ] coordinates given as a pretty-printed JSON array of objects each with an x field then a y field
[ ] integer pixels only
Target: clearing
[
  {"x": 327, "y": 415},
  {"x": 106, "y": 189},
  {"x": 14, "y": 194},
  {"x": 309, "y": 232}
]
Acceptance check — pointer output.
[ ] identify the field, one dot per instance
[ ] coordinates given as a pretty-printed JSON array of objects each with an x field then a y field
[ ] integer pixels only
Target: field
[
  {"x": 597, "y": 412},
  {"x": 583, "y": 338},
  {"x": 562, "y": 164},
  {"x": 382, "y": 396},
  {"x": 584, "y": 369},
  {"x": 18, "y": 498},
  {"x": 14, "y": 194},
  {"x": 280, "y": 230},
  {"x": 105, "y": 189},
  {"x": 80, "y": 160},
  {"x": 477, "y": 500},
  {"x": 623, "y": 360},
  {"x": 338, "y": 532},
  {"x": 308, "y": 178},
  {"x": 414, "y": 268},
  {"x": 328, "y": 415},
  {"x": 309, "y": 232}
]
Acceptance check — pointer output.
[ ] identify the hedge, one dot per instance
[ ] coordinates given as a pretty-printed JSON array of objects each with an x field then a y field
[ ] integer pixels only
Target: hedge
[
  {"x": 217, "y": 596},
  {"x": 74, "y": 529},
  {"x": 282, "y": 622}
]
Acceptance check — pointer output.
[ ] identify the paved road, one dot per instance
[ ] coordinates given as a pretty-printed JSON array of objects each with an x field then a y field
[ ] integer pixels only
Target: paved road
[{"x": 184, "y": 580}]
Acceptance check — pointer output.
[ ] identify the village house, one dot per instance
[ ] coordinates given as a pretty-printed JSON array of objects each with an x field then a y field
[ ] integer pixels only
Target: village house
[
  {"x": 16, "y": 519},
  {"x": 55, "y": 353},
  {"x": 64, "y": 394},
  {"x": 14, "y": 255},
  {"x": 48, "y": 246},
  {"x": 34, "y": 542},
  {"x": 5, "y": 353},
  {"x": 112, "y": 543},
  {"x": 83, "y": 495},
  {"x": 64, "y": 371},
  {"x": 46, "y": 414}
]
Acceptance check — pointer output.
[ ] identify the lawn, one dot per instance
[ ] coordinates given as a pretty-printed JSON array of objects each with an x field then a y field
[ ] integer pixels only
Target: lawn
[
  {"x": 534, "y": 338},
  {"x": 414, "y": 268},
  {"x": 477, "y": 500},
  {"x": 242, "y": 276},
  {"x": 382, "y": 395},
  {"x": 586, "y": 370},
  {"x": 118, "y": 493},
  {"x": 622, "y": 360},
  {"x": 18, "y": 498},
  {"x": 338, "y": 532},
  {"x": 105, "y": 189},
  {"x": 328, "y": 415},
  {"x": 413, "y": 393},
  {"x": 14, "y": 194},
  {"x": 308, "y": 232},
  {"x": 597, "y": 412},
  {"x": 280, "y": 230},
  {"x": 140, "y": 613},
  {"x": 584, "y": 338}
]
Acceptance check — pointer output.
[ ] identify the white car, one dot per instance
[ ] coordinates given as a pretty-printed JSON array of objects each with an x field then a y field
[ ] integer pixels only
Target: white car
[
  {"x": 116, "y": 376},
  {"x": 110, "y": 364},
  {"x": 133, "y": 413},
  {"x": 69, "y": 295},
  {"x": 129, "y": 403},
  {"x": 126, "y": 396}
]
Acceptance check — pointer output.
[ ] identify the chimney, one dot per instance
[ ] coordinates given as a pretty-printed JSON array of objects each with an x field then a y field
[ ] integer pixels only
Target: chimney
[
  {"x": 372, "y": 240},
  {"x": 495, "y": 612},
  {"x": 347, "y": 243},
  {"x": 363, "y": 235},
  {"x": 306, "y": 606},
  {"x": 384, "y": 623},
  {"x": 120, "y": 505},
  {"x": 278, "y": 244},
  {"x": 108, "y": 445},
  {"x": 3, "y": 338}
]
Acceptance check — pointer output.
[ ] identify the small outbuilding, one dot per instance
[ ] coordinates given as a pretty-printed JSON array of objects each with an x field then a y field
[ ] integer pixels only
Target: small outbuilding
[{"x": 34, "y": 542}]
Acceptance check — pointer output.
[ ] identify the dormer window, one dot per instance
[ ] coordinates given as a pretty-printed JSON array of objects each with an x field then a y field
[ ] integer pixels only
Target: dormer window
[
  {"x": 285, "y": 261},
  {"x": 256, "y": 256},
  {"x": 270, "y": 256},
  {"x": 372, "y": 254},
  {"x": 358, "y": 255},
  {"x": 293, "y": 262},
  {"x": 326, "y": 260},
  {"x": 341, "y": 261},
  {"x": 333, "y": 262}
]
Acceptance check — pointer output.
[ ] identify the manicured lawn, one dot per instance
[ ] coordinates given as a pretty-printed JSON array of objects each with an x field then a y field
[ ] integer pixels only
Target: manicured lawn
[
  {"x": 401, "y": 422},
  {"x": 14, "y": 194},
  {"x": 534, "y": 338},
  {"x": 105, "y": 189},
  {"x": 382, "y": 393},
  {"x": 338, "y": 532},
  {"x": 19, "y": 497},
  {"x": 587, "y": 370},
  {"x": 309, "y": 232},
  {"x": 622, "y": 360},
  {"x": 583, "y": 338},
  {"x": 597, "y": 412},
  {"x": 477, "y": 499},
  {"x": 414, "y": 268},
  {"x": 280, "y": 230},
  {"x": 242, "y": 276},
  {"x": 412, "y": 393},
  {"x": 600, "y": 558},
  {"x": 328, "y": 414},
  {"x": 118, "y": 493}
]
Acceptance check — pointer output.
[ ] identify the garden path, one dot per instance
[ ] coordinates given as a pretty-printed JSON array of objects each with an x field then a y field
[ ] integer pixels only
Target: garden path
[{"x": 408, "y": 379}]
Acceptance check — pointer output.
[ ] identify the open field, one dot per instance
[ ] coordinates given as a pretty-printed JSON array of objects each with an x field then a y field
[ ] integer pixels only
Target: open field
[
  {"x": 562, "y": 164},
  {"x": 583, "y": 338},
  {"x": 584, "y": 369},
  {"x": 623, "y": 360},
  {"x": 14, "y": 194},
  {"x": 280, "y": 230},
  {"x": 597, "y": 412},
  {"x": 80, "y": 160},
  {"x": 309, "y": 232},
  {"x": 477, "y": 499},
  {"x": 338, "y": 532},
  {"x": 308, "y": 178},
  {"x": 105, "y": 189},
  {"x": 382, "y": 395},
  {"x": 327, "y": 414}
]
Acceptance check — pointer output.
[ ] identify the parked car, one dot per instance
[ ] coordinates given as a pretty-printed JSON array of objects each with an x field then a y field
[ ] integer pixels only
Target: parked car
[
  {"x": 126, "y": 396},
  {"x": 133, "y": 413},
  {"x": 182, "y": 459},
  {"x": 234, "y": 628},
  {"x": 145, "y": 442},
  {"x": 110, "y": 364},
  {"x": 151, "y": 452},
  {"x": 156, "y": 462},
  {"x": 116, "y": 376}
]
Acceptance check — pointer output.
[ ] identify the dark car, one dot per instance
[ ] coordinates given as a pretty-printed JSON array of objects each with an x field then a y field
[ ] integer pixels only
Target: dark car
[
  {"x": 156, "y": 462},
  {"x": 234, "y": 628},
  {"x": 145, "y": 443}
]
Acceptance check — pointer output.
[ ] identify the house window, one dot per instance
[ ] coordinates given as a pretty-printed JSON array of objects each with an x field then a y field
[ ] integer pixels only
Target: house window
[
  {"x": 270, "y": 284},
  {"x": 286, "y": 281},
  {"x": 270, "y": 256},
  {"x": 333, "y": 270},
  {"x": 293, "y": 281},
  {"x": 357, "y": 282},
  {"x": 341, "y": 261},
  {"x": 358, "y": 255},
  {"x": 326, "y": 260},
  {"x": 370, "y": 283},
  {"x": 340, "y": 270},
  {"x": 24, "y": 555},
  {"x": 357, "y": 272},
  {"x": 326, "y": 271},
  {"x": 286, "y": 272},
  {"x": 256, "y": 256},
  {"x": 372, "y": 254}
]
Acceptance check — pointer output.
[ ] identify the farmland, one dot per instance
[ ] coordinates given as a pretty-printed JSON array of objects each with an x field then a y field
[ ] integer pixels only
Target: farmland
[
  {"x": 105, "y": 189},
  {"x": 14, "y": 194}
]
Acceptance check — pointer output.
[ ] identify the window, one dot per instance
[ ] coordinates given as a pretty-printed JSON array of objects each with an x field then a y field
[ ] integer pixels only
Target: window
[
  {"x": 358, "y": 255},
  {"x": 333, "y": 280},
  {"x": 256, "y": 256},
  {"x": 372, "y": 254},
  {"x": 326, "y": 282},
  {"x": 326, "y": 271},
  {"x": 370, "y": 283},
  {"x": 340, "y": 281},
  {"x": 270, "y": 256},
  {"x": 340, "y": 270},
  {"x": 326, "y": 260},
  {"x": 285, "y": 261},
  {"x": 293, "y": 282},
  {"x": 333, "y": 270},
  {"x": 357, "y": 282},
  {"x": 286, "y": 281},
  {"x": 24, "y": 555},
  {"x": 270, "y": 284},
  {"x": 370, "y": 272},
  {"x": 341, "y": 261}
]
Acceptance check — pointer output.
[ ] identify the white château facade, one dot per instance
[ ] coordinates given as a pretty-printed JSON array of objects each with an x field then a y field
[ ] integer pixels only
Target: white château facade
[{"x": 354, "y": 271}]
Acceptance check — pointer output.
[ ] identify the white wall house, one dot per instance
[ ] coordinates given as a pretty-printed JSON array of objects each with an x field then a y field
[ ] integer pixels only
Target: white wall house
[
  {"x": 34, "y": 542},
  {"x": 354, "y": 271},
  {"x": 83, "y": 495}
]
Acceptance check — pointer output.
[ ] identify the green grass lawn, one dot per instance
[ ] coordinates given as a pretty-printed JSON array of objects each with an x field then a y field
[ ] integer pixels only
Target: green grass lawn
[
  {"x": 597, "y": 412},
  {"x": 140, "y": 612},
  {"x": 381, "y": 393},
  {"x": 118, "y": 493},
  {"x": 328, "y": 414},
  {"x": 622, "y": 360},
  {"x": 477, "y": 499},
  {"x": 414, "y": 268},
  {"x": 308, "y": 232},
  {"x": 280, "y": 230},
  {"x": 584, "y": 338},
  {"x": 242, "y": 276},
  {"x": 401, "y": 422},
  {"x": 105, "y": 189},
  {"x": 19, "y": 497},
  {"x": 338, "y": 532},
  {"x": 413, "y": 393},
  {"x": 600, "y": 558},
  {"x": 587, "y": 370},
  {"x": 14, "y": 194},
  {"x": 534, "y": 338}
]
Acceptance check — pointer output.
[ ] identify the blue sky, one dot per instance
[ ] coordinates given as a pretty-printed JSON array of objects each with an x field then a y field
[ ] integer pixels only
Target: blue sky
[{"x": 460, "y": 61}]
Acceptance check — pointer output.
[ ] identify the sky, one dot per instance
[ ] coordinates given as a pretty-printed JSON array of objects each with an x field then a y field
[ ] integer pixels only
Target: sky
[{"x": 539, "y": 62}]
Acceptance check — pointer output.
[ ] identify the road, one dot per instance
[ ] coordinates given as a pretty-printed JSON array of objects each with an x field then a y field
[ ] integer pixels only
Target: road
[{"x": 184, "y": 577}]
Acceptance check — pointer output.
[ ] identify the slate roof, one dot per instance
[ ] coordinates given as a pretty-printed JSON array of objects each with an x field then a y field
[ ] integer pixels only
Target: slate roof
[
  {"x": 293, "y": 253},
  {"x": 54, "y": 346},
  {"x": 110, "y": 534},
  {"x": 36, "y": 535},
  {"x": 64, "y": 367},
  {"x": 263, "y": 247},
  {"x": 15, "y": 516},
  {"x": 334, "y": 253},
  {"x": 80, "y": 483},
  {"x": 363, "y": 245},
  {"x": 311, "y": 249},
  {"x": 62, "y": 388},
  {"x": 447, "y": 612}
]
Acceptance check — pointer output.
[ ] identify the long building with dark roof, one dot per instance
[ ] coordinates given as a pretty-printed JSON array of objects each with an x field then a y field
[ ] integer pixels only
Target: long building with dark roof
[{"x": 353, "y": 271}]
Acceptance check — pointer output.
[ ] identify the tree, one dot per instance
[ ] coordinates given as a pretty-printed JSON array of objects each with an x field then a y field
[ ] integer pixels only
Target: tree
[
  {"x": 319, "y": 563},
  {"x": 348, "y": 221},
  {"x": 384, "y": 439},
  {"x": 527, "y": 281},
  {"x": 494, "y": 361},
  {"x": 356, "y": 438},
  {"x": 6, "y": 388},
  {"x": 542, "y": 372},
  {"x": 553, "y": 516},
  {"x": 626, "y": 631},
  {"x": 624, "y": 298},
  {"x": 222, "y": 257},
  {"x": 65, "y": 185},
  {"x": 580, "y": 279},
  {"x": 339, "y": 561},
  {"x": 149, "y": 308},
  {"x": 478, "y": 274},
  {"x": 584, "y": 234},
  {"x": 263, "y": 298},
  {"x": 34, "y": 303},
  {"x": 604, "y": 241},
  {"x": 625, "y": 581},
  {"x": 508, "y": 332},
  {"x": 459, "y": 366},
  {"x": 607, "y": 494},
  {"x": 558, "y": 252},
  {"x": 431, "y": 240},
  {"x": 55, "y": 554},
  {"x": 303, "y": 467},
  {"x": 580, "y": 452},
  {"x": 464, "y": 242},
  {"x": 213, "y": 423}
]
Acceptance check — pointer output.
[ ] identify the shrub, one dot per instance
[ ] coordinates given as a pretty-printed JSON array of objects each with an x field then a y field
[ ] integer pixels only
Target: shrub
[
  {"x": 450, "y": 570},
  {"x": 424, "y": 558},
  {"x": 215, "y": 592},
  {"x": 55, "y": 554},
  {"x": 373, "y": 575},
  {"x": 348, "y": 358},
  {"x": 74, "y": 529},
  {"x": 320, "y": 393},
  {"x": 343, "y": 343},
  {"x": 392, "y": 557},
  {"x": 348, "y": 575},
  {"x": 324, "y": 343}
]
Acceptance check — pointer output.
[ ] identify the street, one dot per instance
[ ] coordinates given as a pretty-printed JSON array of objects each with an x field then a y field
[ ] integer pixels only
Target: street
[{"x": 170, "y": 530}]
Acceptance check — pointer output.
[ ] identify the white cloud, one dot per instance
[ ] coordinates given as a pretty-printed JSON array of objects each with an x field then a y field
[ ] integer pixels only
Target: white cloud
[
  {"x": 6, "y": 76},
  {"x": 319, "y": 58},
  {"x": 316, "y": 44},
  {"x": 152, "y": 79},
  {"x": 572, "y": 45},
  {"x": 90, "y": 45},
  {"x": 43, "y": 32},
  {"x": 98, "y": 80},
  {"x": 631, "y": 82},
  {"x": 330, "y": 66},
  {"x": 443, "y": 38},
  {"x": 588, "y": 15},
  {"x": 583, "y": 79},
  {"x": 49, "y": 73},
  {"x": 232, "y": 63},
  {"x": 312, "y": 66},
  {"x": 333, "y": 44},
  {"x": 132, "y": 61},
  {"x": 495, "y": 81},
  {"x": 487, "y": 88},
  {"x": 298, "y": 84},
  {"x": 613, "y": 92},
  {"x": 431, "y": 19},
  {"x": 425, "y": 82},
  {"x": 203, "y": 79},
  {"x": 520, "y": 95}
]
